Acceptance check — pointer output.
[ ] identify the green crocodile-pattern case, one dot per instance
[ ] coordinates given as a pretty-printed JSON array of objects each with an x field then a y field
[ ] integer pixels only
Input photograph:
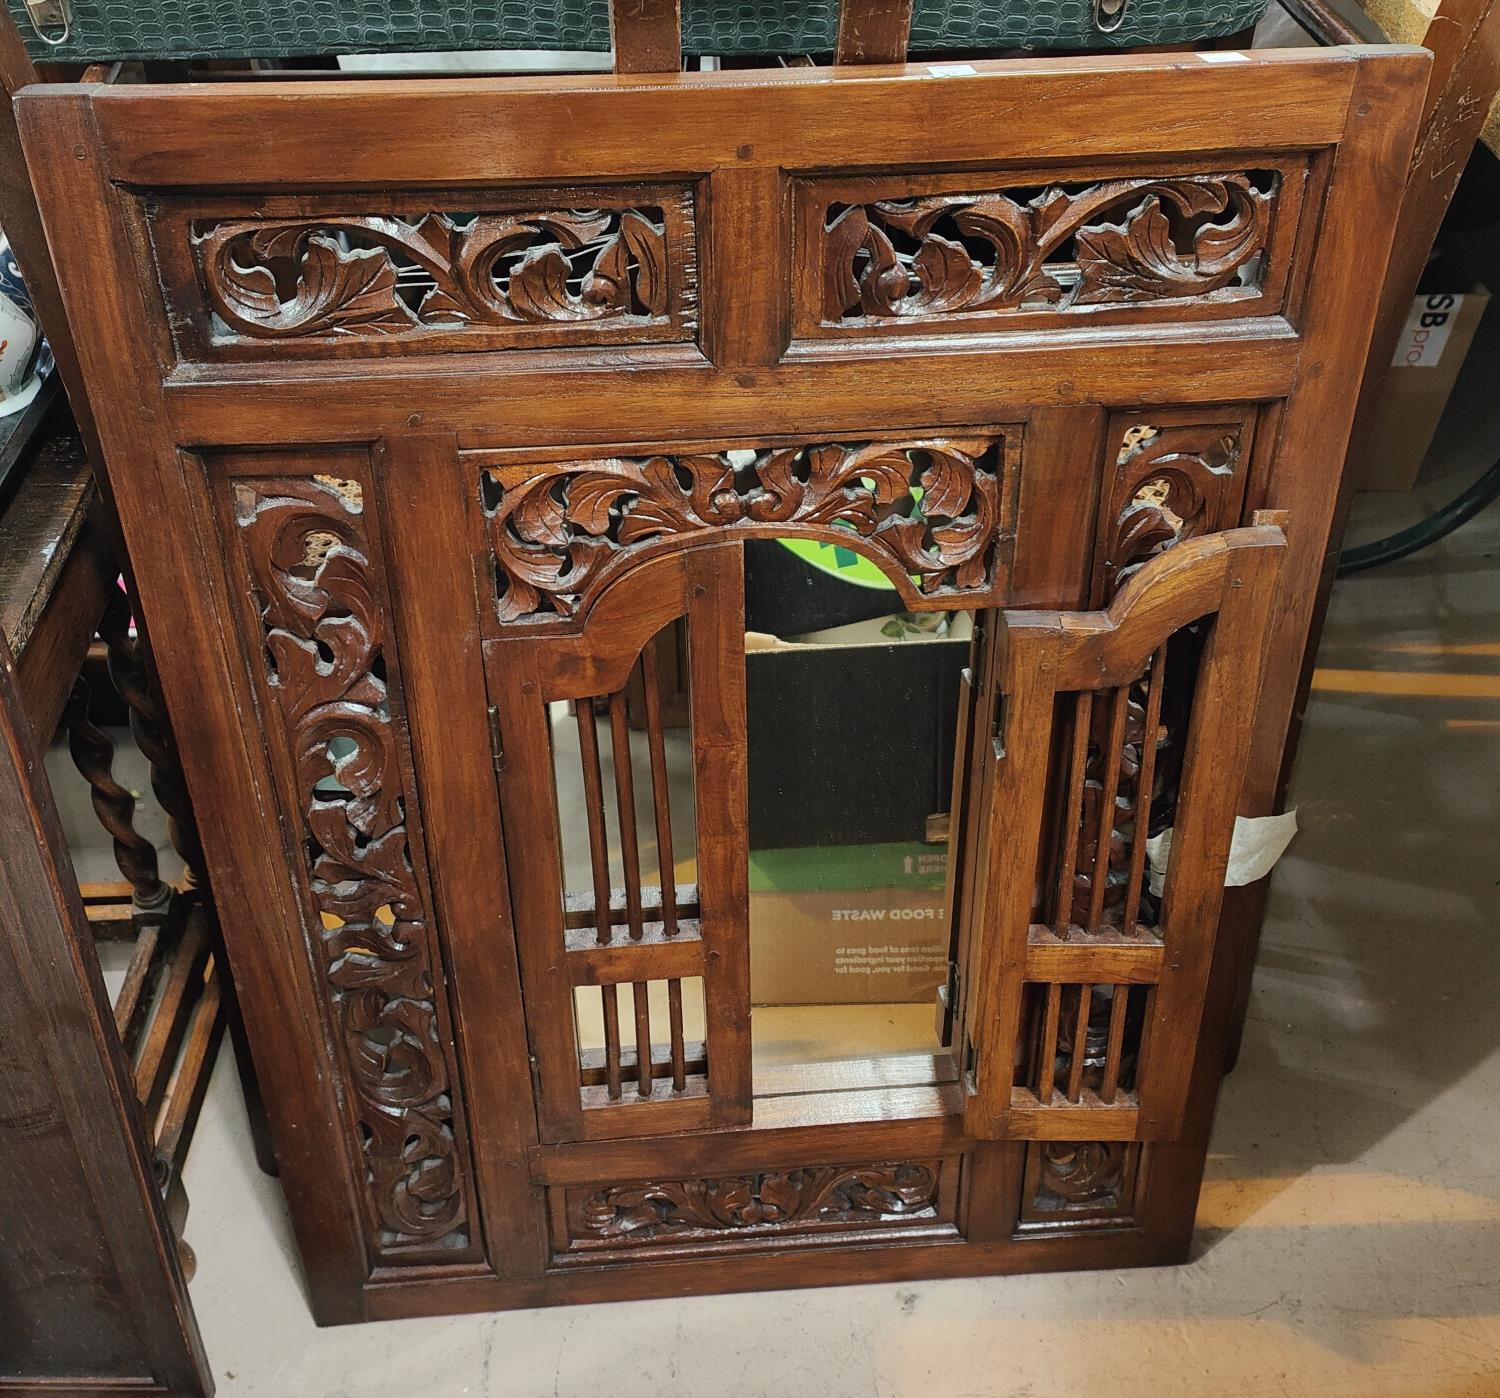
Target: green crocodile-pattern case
[{"x": 114, "y": 29}]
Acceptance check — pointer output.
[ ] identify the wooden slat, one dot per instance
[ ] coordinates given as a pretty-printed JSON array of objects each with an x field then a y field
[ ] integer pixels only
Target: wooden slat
[
  {"x": 630, "y": 853},
  {"x": 147, "y": 961},
  {"x": 592, "y": 1068},
  {"x": 873, "y": 31},
  {"x": 1046, "y": 1063},
  {"x": 646, "y": 35},
  {"x": 661, "y": 798},
  {"x": 1109, "y": 1086},
  {"x": 1144, "y": 782},
  {"x": 1062, "y": 1120},
  {"x": 593, "y": 802},
  {"x": 1111, "y": 755},
  {"x": 593, "y": 806},
  {"x": 579, "y": 908},
  {"x": 1080, "y": 1042},
  {"x": 184, "y": 1098},
  {"x": 626, "y": 962},
  {"x": 610, "y": 997},
  {"x": 1102, "y": 960},
  {"x": 169, "y": 1020},
  {"x": 1067, "y": 866}
]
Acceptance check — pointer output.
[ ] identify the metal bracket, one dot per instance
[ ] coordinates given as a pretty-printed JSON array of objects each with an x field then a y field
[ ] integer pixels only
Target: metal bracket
[
  {"x": 48, "y": 14},
  {"x": 1109, "y": 15}
]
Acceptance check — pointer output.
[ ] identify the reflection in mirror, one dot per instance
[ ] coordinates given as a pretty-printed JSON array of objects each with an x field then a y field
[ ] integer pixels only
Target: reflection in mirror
[
  {"x": 853, "y": 708},
  {"x": 852, "y": 714}
]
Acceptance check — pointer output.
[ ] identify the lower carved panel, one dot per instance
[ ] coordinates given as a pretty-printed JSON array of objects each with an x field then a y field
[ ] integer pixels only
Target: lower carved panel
[
  {"x": 755, "y": 1206},
  {"x": 1080, "y": 1184}
]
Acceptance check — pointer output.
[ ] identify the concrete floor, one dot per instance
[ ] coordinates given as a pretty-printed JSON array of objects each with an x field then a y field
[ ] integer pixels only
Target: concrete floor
[{"x": 1349, "y": 1232}]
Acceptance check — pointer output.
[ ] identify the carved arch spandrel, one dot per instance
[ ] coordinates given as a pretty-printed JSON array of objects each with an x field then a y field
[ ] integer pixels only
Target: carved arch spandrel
[
  {"x": 318, "y": 642},
  {"x": 935, "y": 512}
]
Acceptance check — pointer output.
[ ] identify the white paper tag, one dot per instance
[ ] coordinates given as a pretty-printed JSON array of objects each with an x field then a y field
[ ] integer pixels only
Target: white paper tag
[
  {"x": 952, "y": 70},
  {"x": 1224, "y": 56},
  {"x": 1258, "y": 842},
  {"x": 1425, "y": 334}
]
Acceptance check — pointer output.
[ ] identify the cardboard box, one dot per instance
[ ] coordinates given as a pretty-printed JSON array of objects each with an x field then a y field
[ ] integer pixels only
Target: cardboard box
[
  {"x": 1433, "y": 345},
  {"x": 854, "y": 924}
]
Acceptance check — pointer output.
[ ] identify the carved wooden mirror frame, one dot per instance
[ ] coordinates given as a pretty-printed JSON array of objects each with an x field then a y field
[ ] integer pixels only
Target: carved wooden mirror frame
[{"x": 408, "y": 440}]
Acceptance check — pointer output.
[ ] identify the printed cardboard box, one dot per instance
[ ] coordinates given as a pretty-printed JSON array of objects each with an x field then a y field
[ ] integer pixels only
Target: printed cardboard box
[{"x": 848, "y": 924}]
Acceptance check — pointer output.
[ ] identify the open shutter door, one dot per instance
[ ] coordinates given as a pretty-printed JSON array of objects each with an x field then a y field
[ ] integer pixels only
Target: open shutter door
[
  {"x": 1085, "y": 972},
  {"x": 660, "y": 967}
]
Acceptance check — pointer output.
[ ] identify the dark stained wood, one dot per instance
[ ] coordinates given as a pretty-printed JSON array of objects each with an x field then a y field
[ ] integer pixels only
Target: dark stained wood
[
  {"x": 79, "y": 1207},
  {"x": 487, "y": 532},
  {"x": 56, "y": 564},
  {"x": 647, "y": 35},
  {"x": 189, "y": 1085},
  {"x": 873, "y": 31}
]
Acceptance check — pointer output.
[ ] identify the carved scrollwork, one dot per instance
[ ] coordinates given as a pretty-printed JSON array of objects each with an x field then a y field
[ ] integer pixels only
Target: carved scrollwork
[
  {"x": 323, "y": 643},
  {"x": 379, "y": 276},
  {"x": 828, "y": 1195},
  {"x": 1120, "y": 241},
  {"x": 1167, "y": 478},
  {"x": 933, "y": 510},
  {"x": 1082, "y": 1176}
]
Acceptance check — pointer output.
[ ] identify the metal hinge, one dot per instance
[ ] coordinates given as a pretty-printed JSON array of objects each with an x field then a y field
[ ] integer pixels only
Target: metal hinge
[
  {"x": 497, "y": 753},
  {"x": 48, "y": 14}
]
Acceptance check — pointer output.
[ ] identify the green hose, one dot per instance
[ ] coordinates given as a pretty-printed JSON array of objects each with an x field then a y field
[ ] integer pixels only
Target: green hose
[{"x": 1428, "y": 531}]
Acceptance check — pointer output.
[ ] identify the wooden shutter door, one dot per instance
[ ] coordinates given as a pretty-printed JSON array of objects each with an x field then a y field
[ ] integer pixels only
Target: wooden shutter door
[
  {"x": 623, "y": 937},
  {"x": 1084, "y": 989}
]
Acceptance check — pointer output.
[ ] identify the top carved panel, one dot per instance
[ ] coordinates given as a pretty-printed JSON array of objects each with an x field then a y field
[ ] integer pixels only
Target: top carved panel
[
  {"x": 968, "y": 252},
  {"x": 526, "y": 268}
]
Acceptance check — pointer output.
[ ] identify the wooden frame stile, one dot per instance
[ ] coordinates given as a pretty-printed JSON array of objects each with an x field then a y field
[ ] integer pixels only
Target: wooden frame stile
[{"x": 871, "y": 1184}]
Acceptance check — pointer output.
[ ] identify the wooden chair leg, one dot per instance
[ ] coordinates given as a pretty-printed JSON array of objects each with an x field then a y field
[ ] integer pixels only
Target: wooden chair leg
[
  {"x": 873, "y": 31},
  {"x": 647, "y": 35}
]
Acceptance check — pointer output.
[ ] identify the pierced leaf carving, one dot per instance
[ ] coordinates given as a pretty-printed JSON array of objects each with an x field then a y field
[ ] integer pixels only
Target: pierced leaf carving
[
  {"x": 326, "y": 667},
  {"x": 822, "y": 1195},
  {"x": 931, "y": 509},
  {"x": 1118, "y": 241},
  {"x": 369, "y": 276}
]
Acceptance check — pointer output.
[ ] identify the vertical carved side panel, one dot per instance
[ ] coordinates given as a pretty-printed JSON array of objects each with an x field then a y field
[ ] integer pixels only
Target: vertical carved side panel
[{"x": 329, "y": 681}]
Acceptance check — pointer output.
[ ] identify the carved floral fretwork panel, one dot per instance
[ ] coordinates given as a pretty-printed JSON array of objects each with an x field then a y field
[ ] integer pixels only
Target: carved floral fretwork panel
[
  {"x": 328, "y": 671},
  {"x": 828, "y": 1196},
  {"x": 1073, "y": 1183},
  {"x": 936, "y": 514},
  {"x": 570, "y": 266},
  {"x": 884, "y": 255}
]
